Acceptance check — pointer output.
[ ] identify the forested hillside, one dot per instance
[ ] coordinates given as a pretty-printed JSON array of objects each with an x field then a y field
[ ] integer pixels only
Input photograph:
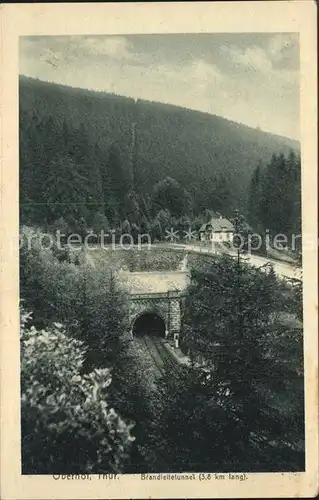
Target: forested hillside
[
  {"x": 275, "y": 197},
  {"x": 76, "y": 157}
]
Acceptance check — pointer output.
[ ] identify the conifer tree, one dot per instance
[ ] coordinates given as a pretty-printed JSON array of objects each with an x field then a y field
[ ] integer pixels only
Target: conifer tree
[
  {"x": 254, "y": 196},
  {"x": 237, "y": 342}
]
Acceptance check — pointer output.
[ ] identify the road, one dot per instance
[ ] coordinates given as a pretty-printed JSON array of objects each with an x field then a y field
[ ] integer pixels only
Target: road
[{"x": 282, "y": 269}]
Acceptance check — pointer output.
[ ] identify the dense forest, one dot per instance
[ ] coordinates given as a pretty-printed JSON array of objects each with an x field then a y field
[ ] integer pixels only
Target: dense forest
[
  {"x": 77, "y": 161},
  {"x": 275, "y": 197}
]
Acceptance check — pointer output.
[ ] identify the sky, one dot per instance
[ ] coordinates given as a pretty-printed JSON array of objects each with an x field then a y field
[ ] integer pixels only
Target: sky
[{"x": 249, "y": 78}]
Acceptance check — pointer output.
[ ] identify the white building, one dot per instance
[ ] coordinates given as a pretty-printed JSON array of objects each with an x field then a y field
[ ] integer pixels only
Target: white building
[{"x": 218, "y": 229}]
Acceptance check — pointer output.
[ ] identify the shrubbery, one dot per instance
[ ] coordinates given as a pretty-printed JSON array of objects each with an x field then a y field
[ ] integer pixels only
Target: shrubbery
[
  {"x": 67, "y": 424},
  {"x": 86, "y": 298}
]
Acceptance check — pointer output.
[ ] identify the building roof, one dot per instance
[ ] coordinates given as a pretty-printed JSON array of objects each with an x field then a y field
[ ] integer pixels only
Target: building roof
[
  {"x": 154, "y": 281},
  {"x": 219, "y": 225}
]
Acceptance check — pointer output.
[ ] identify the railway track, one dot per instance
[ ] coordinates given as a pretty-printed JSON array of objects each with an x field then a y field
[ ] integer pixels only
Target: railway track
[
  {"x": 151, "y": 348},
  {"x": 163, "y": 360},
  {"x": 168, "y": 360}
]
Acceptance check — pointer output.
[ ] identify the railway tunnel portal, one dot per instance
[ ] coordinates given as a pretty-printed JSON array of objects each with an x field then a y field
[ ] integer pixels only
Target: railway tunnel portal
[{"x": 155, "y": 302}]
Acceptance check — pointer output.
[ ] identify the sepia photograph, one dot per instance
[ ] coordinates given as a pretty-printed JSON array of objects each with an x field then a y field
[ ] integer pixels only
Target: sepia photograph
[{"x": 161, "y": 260}]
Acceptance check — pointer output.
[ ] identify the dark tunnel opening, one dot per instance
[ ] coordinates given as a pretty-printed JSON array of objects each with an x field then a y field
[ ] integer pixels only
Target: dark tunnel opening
[{"x": 149, "y": 324}]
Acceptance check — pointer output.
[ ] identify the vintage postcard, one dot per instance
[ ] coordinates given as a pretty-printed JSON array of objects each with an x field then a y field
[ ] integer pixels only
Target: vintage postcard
[{"x": 159, "y": 277}]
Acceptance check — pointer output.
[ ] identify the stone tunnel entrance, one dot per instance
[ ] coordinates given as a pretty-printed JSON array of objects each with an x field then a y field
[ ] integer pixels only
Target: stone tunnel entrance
[{"x": 149, "y": 323}]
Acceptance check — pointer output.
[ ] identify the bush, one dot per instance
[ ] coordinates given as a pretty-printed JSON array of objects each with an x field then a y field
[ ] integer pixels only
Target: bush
[
  {"x": 86, "y": 298},
  {"x": 67, "y": 425}
]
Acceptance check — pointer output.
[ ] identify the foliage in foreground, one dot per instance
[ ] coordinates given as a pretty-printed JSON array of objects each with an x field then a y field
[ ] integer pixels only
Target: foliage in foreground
[
  {"x": 86, "y": 299},
  {"x": 254, "y": 370},
  {"x": 67, "y": 423},
  {"x": 197, "y": 433}
]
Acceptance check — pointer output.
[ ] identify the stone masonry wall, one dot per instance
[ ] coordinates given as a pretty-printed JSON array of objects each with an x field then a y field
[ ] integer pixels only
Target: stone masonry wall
[{"x": 168, "y": 308}]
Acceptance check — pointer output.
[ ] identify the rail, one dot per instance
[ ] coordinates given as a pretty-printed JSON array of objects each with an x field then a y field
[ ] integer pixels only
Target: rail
[{"x": 162, "y": 358}]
